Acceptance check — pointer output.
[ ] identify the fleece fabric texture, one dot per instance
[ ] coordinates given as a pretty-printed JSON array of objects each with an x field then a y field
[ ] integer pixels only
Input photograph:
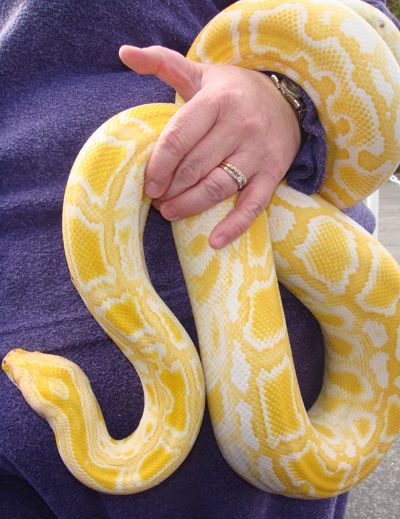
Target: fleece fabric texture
[{"x": 60, "y": 78}]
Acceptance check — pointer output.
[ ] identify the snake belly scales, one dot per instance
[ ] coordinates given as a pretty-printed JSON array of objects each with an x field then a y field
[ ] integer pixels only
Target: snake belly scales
[{"x": 346, "y": 56}]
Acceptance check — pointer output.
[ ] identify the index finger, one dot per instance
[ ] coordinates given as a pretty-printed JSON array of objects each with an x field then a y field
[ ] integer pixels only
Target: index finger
[{"x": 180, "y": 135}]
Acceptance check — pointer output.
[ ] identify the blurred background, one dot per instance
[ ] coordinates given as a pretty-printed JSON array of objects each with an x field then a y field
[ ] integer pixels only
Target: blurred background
[{"x": 394, "y": 6}]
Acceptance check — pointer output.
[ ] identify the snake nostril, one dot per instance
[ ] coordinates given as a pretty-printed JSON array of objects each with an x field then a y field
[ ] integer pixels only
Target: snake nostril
[
  {"x": 6, "y": 366},
  {"x": 6, "y": 362}
]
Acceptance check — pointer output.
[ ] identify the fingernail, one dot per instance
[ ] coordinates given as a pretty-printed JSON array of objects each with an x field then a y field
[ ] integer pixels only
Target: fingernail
[
  {"x": 168, "y": 212},
  {"x": 152, "y": 189},
  {"x": 219, "y": 241}
]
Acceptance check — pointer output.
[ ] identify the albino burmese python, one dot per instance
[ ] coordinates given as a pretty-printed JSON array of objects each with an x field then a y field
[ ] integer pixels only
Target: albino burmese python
[{"x": 338, "y": 54}]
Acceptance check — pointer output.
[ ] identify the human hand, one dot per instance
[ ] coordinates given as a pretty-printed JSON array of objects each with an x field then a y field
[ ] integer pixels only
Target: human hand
[{"x": 230, "y": 114}]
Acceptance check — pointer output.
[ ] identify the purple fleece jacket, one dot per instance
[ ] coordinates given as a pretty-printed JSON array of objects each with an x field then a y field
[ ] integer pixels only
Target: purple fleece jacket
[{"x": 60, "y": 78}]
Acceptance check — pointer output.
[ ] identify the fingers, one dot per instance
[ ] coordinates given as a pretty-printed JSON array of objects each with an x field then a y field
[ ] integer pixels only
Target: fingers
[
  {"x": 214, "y": 188},
  {"x": 188, "y": 126},
  {"x": 210, "y": 151},
  {"x": 253, "y": 199},
  {"x": 181, "y": 74},
  {"x": 181, "y": 134}
]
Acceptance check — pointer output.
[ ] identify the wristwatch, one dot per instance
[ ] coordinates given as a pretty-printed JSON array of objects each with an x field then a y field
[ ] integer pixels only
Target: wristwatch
[{"x": 291, "y": 93}]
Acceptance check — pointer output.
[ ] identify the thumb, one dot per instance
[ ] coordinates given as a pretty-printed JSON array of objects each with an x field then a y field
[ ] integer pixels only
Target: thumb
[{"x": 181, "y": 74}]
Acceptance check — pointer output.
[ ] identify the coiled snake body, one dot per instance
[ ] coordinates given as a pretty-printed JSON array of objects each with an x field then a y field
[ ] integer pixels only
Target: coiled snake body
[{"x": 346, "y": 58}]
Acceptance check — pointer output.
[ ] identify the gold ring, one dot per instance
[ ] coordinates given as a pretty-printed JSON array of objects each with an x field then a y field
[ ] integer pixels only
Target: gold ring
[{"x": 235, "y": 173}]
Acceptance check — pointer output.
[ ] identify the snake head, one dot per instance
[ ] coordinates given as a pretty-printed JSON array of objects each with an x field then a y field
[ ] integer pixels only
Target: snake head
[
  {"x": 42, "y": 378},
  {"x": 14, "y": 364}
]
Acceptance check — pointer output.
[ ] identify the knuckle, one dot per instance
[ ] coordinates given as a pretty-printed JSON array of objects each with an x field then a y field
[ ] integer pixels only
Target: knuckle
[
  {"x": 235, "y": 96},
  {"x": 188, "y": 175},
  {"x": 158, "y": 51},
  {"x": 255, "y": 207},
  {"x": 253, "y": 122},
  {"x": 229, "y": 96},
  {"x": 174, "y": 143},
  {"x": 239, "y": 226},
  {"x": 276, "y": 164},
  {"x": 230, "y": 101},
  {"x": 214, "y": 190},
  {"x": 248, "y": 123},
  {"x": 276, "y": 173},
  {"x": 249, "y": 212}
]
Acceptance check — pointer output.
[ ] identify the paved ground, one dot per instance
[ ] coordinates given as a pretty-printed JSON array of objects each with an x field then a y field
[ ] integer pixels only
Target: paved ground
[{"x": 378, "y": 496}]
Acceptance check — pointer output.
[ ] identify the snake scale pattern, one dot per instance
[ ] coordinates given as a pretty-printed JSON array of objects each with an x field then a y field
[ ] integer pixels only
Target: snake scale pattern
[{"x": 346, "y": 56}]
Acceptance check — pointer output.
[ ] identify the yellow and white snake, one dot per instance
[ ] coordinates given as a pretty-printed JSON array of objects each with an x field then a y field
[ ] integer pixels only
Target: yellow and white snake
[{"x": 346, "y": 56}]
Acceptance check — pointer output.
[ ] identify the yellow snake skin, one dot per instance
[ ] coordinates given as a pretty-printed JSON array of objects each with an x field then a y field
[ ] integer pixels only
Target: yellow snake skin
[{"x": 345, "y": 55}]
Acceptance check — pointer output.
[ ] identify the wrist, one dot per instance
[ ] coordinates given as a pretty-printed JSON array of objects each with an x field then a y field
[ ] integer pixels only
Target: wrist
[{"x": 291, "y": 93}]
